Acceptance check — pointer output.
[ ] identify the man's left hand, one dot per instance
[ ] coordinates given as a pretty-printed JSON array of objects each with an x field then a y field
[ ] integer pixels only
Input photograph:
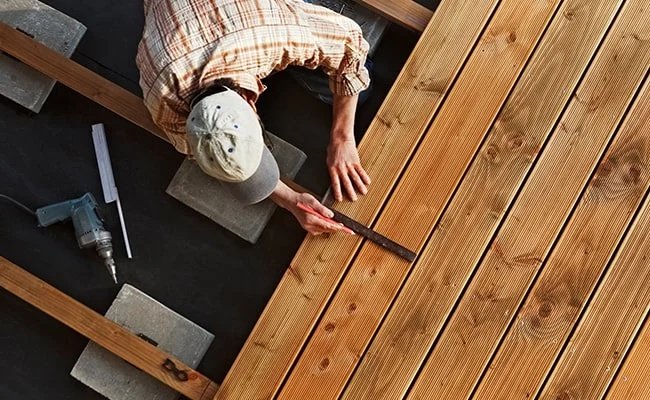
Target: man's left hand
[{"x": 345, "y": 169}]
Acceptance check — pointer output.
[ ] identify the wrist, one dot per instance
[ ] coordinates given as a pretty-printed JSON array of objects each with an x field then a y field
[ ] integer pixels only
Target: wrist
[
  {"x": 339, "y": 136},
  {"x": 283, "y": 195}
]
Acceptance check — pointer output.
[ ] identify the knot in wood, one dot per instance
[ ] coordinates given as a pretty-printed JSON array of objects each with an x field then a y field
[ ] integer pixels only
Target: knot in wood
[
  {"x": 325, "y": 362},
  {"x": 352, "y": 308},
  {"x": 329, "y": 328},
  {"x": 492, "y": 153},
  {"x": 515, "y": 141},
  {"x": 512, "y": 37},
  {"x": 569, "y": 14},
  {"x": 545, "y": 309},
  {"x": 633, "y": 174}
]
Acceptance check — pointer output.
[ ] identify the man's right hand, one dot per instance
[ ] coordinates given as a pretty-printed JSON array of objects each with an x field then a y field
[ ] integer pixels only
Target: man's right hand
[{"x": 286, "y": 198}]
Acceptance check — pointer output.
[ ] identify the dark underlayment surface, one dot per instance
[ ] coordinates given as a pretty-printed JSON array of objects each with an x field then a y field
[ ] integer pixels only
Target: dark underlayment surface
[{"x": 181, "y": 258}]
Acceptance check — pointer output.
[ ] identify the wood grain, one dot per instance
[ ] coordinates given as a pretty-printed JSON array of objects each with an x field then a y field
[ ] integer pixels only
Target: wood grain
[
  {"x": 319, "y": 264},
  {"x": 555, "y": 302},
  {"x": 633, "y": 380},
  {"x": 78, "y": 78},
  {"x": 102, "y": 331},
  {"x": 530, "y": 230},
  {"x": 488, "y": 188},
  {"x": 407, "y": 13},
  {"x": 356, "y": 311},
  {"x": 620, "y": 304}
]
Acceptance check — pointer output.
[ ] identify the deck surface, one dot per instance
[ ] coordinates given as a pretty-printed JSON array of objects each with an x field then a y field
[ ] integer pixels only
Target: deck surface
[{"x": 513, "y": 155}]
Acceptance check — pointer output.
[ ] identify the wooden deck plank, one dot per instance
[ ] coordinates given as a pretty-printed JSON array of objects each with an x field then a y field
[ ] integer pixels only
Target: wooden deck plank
[
  {"x": 618, "y": 309},
  {"x": 407, "y": 13},
  {"x": 523, "y": 125},
  {"x": 373, "y": 280},
  {"x": 529, "y": 231},
  {"x": 633, "y": 380},
  {"x": 568, "y": 279},
  {"x": 320, "y": 262}
]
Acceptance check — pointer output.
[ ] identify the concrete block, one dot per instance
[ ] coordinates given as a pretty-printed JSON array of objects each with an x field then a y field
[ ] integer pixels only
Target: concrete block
[
  {"x": 19, "y": 82},
  {"x": 116, "y": 379},
  {"x": 206, "y": 195}
]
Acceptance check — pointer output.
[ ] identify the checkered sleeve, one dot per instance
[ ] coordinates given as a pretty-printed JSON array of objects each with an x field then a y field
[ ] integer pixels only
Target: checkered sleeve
[{"x": 345, "y": 51}]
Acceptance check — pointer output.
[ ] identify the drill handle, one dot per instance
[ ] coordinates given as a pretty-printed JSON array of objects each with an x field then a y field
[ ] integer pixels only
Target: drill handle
[{"x": 62, "y": 211}]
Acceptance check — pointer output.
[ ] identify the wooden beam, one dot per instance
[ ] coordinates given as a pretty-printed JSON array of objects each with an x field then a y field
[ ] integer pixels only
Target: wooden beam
[
  {"x": 320, "y": 262},
  {"x": 555, "y": 303},
  {"x": 523, "y": 243},
  {"x": 77, "y": 78},
  {"x": 474, "y": 214},
  {"x": 102, "y": 331},
  {"x": 633, "y": 379},
  {"x": 448, "y": 148},
  {"x": 407, "y": 13}
]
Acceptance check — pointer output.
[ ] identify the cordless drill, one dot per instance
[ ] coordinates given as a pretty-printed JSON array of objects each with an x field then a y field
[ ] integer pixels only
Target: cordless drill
[{"x": 88, "y": 226}]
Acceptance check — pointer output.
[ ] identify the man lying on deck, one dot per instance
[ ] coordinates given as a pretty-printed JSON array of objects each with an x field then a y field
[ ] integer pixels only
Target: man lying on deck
[{"x": 201, "y": 63}]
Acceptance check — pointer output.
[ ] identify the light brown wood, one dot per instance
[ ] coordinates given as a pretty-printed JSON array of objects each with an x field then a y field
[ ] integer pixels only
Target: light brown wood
[
  {"x": 620, "y": 304},
  {"x": 527, "y": 119},
  {"x": 554, "y": 304},
  {"x": 102, "y": 331},
  {"x": 320, "y": 262},
  {"x": 78, "y": 78},
  {"x": 375, "y": 276},
  {"x": 633, "y": 380},
  {"x": 407, "y": 13},
  {"x": 523, "y": 242}
]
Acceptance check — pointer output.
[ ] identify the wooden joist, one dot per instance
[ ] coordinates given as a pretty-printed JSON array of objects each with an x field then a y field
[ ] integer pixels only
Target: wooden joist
[
  {"x": 522, "y": 245},
  {"x": 555, "y": 302},
  {"x": 102, "y": 331},
  {"x": 80, "y": 79},
  {"x": 407, "y": 13},
  {"x": 461, "y": 124},
  {"x": 514, "y": 142},
  {"x": 306, "y": 287}
]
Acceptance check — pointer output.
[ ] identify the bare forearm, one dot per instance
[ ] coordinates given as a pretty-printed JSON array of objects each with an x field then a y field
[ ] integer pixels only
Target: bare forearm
[{"x": 343, "y": 111}]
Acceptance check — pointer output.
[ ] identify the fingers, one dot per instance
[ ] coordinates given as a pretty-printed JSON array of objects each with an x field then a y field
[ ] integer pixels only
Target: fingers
[
  {"x": 318, "y": 226},
  {"x": 321, "y": 209},
  {"x": 363, "y": 174},
  {"x": 336, "y": 184},
  {"x": 353, "y": 179}
]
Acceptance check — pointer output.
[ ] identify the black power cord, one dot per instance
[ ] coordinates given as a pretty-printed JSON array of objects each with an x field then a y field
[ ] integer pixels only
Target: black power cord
[{"x": 18, "y": 204}]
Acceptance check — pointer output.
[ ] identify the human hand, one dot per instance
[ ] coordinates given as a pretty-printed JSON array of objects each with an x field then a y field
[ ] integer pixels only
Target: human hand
[
  {"x": 287, "y": 198},
  {"x": 314, "y": 220},
  {"x": 345, "y": 169}
]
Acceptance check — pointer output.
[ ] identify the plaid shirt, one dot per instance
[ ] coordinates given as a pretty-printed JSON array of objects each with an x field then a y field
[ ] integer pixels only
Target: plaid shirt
[{"x": 188, "y": 44}]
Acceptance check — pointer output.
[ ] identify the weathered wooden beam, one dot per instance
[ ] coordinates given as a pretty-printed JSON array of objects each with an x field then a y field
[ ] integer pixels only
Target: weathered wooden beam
[{"x": 103, "y": 331}]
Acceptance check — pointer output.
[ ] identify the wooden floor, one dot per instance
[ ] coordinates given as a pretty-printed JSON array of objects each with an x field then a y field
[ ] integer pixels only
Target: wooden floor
[{"x": 513, "y": 155}]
